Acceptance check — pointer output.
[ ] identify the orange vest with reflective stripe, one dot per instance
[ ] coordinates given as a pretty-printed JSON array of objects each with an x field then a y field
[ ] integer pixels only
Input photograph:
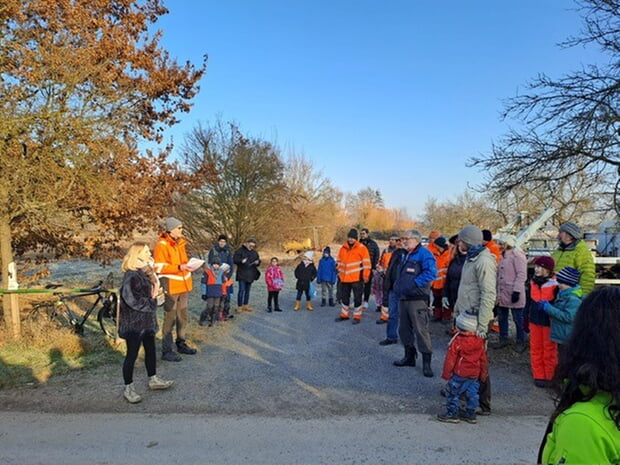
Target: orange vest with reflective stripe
[
  {"x": 353, "y": 263},
  {"x": 168, "y": 255},
  {"x": 443, "y": 261}
]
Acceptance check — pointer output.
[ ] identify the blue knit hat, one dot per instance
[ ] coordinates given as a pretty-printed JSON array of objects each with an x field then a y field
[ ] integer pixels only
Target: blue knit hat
[{"x": 568, "y": 276}]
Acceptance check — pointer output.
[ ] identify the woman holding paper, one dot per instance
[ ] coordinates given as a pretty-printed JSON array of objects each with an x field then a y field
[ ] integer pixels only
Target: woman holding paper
[{"x": 171, "y": 263}]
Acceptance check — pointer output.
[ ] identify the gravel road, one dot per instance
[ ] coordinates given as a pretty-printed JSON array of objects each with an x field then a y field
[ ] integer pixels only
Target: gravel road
[{"x": 300, "y": 378}]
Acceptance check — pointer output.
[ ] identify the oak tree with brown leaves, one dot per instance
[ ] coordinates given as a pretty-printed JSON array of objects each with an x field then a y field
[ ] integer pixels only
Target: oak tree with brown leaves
[{"x": 84, "y": 84}]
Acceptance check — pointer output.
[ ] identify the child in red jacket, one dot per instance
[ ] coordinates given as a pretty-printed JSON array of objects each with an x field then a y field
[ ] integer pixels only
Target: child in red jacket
[{"x": 465, "y": 364}]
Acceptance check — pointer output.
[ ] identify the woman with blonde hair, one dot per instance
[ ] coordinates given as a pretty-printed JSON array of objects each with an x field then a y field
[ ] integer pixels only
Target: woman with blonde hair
[{"x": 138, "y": 317}]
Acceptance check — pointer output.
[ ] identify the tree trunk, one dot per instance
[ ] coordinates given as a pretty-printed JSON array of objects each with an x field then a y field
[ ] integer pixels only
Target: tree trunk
[{"x": 10, "y": 302}]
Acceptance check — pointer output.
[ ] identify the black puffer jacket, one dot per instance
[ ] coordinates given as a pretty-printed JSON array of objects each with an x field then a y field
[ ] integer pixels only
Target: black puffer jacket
[
  {"x": 138, "y": 316},
  {"x": 373, "y": 251},
  {"x": 248, "y": 270},
  {"x": 304, "y": 274}
]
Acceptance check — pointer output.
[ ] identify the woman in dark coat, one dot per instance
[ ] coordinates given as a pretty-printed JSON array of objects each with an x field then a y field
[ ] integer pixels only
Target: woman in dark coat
[{"x": 138, "y": 318}]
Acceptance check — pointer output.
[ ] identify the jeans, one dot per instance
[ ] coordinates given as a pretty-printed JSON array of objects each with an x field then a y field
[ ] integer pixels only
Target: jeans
[
  {"x": 392, "y": 324},
  {"x": 455, "y": 388},
  {"x": 243, "y": 296},
  {"x": 517, "y": 317}
]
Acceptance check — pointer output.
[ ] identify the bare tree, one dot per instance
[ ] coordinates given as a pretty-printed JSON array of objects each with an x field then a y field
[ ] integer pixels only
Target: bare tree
[
  {"x": 568, "y": 126},
  {"x": 245, "y": 198}
]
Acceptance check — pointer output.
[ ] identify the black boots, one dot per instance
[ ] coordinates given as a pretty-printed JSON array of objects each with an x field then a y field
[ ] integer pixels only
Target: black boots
[
  {"x": 203, "y": 318},
  {"x": 183, "y": 348},
  {"x": 323, "y": 302},
  {"x": 426, "y": 365},
  {"x": 409, "y": 360}
]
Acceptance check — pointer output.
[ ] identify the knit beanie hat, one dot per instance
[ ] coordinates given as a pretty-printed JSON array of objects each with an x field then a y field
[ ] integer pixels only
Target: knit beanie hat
[
  {"x": 352, "y": 234},
  {"x": 545, "y": 262},
  {"x": 467, "y": 322},
  {"x": 486, "y": 235},
  {"x": 222, "y": 237},
  {"x": 509, "y": 240},
  {"x": 572, "y": 229},
  {"x": 251, "y": 240},
  {"x": 327, "y": 251},
  {"x": 568, "y": 276},
  {"x": 216, "y": 261},
  {"x": 471, "y": 235},
  {"x": 441, "y": 242},
  {"x": 172, "y": 223}
]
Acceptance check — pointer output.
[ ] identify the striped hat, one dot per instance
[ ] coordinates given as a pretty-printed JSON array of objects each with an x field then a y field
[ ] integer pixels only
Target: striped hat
[{"x": 568, "y": 276}]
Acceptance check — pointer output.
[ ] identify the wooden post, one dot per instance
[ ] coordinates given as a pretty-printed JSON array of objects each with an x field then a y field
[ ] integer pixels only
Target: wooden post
[{"x": 16, "y": 321}]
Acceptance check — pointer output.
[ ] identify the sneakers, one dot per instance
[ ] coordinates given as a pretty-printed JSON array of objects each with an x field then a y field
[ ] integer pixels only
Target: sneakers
[
  {"x": 156, "y": 383},
  {"x": 448, "y": 418},
  {"x": 277, "y": 310},
  {"x": 468, "y": 417},
  {"x": 542, "y": 383},
  {"x": 387, "y": 342},
  {"x": 171, "y": 357},
  {"x": 131, "y": 395}
]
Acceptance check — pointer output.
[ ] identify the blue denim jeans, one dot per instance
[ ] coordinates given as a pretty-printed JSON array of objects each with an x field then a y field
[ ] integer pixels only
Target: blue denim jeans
[
  {"x": 243, "y": 296},
  {"x": 392, "y": 324},
  {"x": 517, "y": 317},
  {"x": 458, "y": 386}
]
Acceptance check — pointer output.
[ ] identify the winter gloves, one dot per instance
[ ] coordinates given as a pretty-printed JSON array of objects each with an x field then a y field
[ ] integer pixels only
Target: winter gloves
[{"x": 514, "y": 298}]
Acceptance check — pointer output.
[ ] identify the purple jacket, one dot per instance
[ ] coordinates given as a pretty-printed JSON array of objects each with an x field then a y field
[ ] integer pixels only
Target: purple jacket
[{"x": 511, "y": 277}]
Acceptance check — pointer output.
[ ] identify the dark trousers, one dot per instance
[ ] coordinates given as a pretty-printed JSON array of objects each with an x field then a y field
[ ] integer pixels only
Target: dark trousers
[
  {"x": 300, "y": 292},
  {"x": 133, "y": 347},
  {"x": 413, "y": 325},
  {"x": 367, "y": 290},
  {"x": 243, "y": 297},
  {"x": 273, "y": 297},
  {"x": 485, "y": 394},
  {"x": 345, "y": 293}
]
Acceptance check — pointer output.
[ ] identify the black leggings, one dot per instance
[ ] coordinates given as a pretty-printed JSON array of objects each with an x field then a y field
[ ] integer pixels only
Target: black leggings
[
  {"x": 133, "y": 347},
  {"x": 273, "y": 296}
]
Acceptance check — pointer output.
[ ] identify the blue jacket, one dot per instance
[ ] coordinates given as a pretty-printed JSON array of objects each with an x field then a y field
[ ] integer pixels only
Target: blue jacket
[
  {"x": 327, "y": 270},
  {"x": 562, "y": 313},
  {"x": 414, "y": 273}
]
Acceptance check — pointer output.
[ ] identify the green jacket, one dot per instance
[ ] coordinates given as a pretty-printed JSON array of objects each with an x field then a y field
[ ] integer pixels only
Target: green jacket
[
  {"x": 584, "y": 433},
  {"x": 577, "y": 255}
]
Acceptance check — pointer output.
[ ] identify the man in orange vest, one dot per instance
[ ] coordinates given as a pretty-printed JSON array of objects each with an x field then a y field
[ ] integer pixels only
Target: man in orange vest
[
  {"x": 171, "y": 265},
  {"x": 442, "y": 259},
  {"x": 353, "y": 272}
]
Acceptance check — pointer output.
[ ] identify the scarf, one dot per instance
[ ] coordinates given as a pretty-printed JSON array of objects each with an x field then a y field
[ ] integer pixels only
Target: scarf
[{"x": 474, "y": 250}]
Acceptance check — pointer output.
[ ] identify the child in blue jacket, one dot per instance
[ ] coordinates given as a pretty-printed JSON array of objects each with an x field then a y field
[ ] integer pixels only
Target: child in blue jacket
[
  {"x": 564, "y": 308},
  {"x": 326, "y": 277}
]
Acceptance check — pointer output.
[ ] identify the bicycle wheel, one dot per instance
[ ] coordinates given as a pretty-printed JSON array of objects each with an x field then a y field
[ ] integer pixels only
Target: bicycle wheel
[
  {"x": 51, "y": 312},
  {"x": 107, "y": 315}
]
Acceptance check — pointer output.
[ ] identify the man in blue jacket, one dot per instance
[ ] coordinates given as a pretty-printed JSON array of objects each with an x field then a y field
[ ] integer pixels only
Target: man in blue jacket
[{"x": 414, "y": 272}]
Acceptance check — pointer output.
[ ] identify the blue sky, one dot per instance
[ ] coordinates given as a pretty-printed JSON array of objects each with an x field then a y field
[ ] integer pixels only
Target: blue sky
[{"x": 395, "y": 95}]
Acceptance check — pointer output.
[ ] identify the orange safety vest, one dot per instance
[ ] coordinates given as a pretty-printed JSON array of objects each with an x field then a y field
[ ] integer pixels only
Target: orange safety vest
[
  {"x": 384, "y": 260},
  {"x": 169, "y": 255},
  {"x": 443, "y": 261},
  {"x": 353, "y": 263}
]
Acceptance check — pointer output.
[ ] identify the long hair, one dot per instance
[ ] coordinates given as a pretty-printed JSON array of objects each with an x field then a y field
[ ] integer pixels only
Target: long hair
[
  {"x": 130, "y": 260},
  {"x": 590, "y": 362}
]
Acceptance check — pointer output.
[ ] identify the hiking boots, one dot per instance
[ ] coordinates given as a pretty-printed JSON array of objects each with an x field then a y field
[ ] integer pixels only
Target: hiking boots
[
  {"x": 309, "y": 306},
  {"x": 323, "y": 302},
  {"x": 183, "y": 348},
  {"x": 469, "y": 417},
  {"x": 156, "y": 383},
  {"x": 448, "y": 418},
  {"x": 131, "y": 395},
  {"x": 297, "y": 305},
  {"x": 171, "y": 357},
  {"x": 409, "y": 359},
  {"x": 427, "y": 371}
]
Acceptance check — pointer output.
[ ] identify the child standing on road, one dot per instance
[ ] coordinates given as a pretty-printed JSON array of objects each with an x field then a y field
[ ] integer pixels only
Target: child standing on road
[
  {"x": 326, "y": 277},
  {"x": 212, "y": 285},
  {"x": 275, "y": 283},
  {"x": 564, "y": 308},
  {"x": 543, "y": 351},
  {"x": 305, "y": 274},
  {"x": 465, "y": 364}
]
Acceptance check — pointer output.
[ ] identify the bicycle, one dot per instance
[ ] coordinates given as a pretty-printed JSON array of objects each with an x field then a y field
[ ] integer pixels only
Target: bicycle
[{"x": 61, "y": 313}]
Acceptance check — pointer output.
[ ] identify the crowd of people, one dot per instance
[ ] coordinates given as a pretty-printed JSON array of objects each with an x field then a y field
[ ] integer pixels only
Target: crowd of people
[{"x": 467, "y": 281}]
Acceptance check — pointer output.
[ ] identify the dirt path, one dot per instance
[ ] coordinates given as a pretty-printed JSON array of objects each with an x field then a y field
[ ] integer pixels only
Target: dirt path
[{"x": 290, "y": 364}]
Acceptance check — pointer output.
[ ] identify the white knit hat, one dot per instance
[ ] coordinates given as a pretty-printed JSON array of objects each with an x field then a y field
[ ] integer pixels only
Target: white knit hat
[{"x": 467, "y": 322}]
